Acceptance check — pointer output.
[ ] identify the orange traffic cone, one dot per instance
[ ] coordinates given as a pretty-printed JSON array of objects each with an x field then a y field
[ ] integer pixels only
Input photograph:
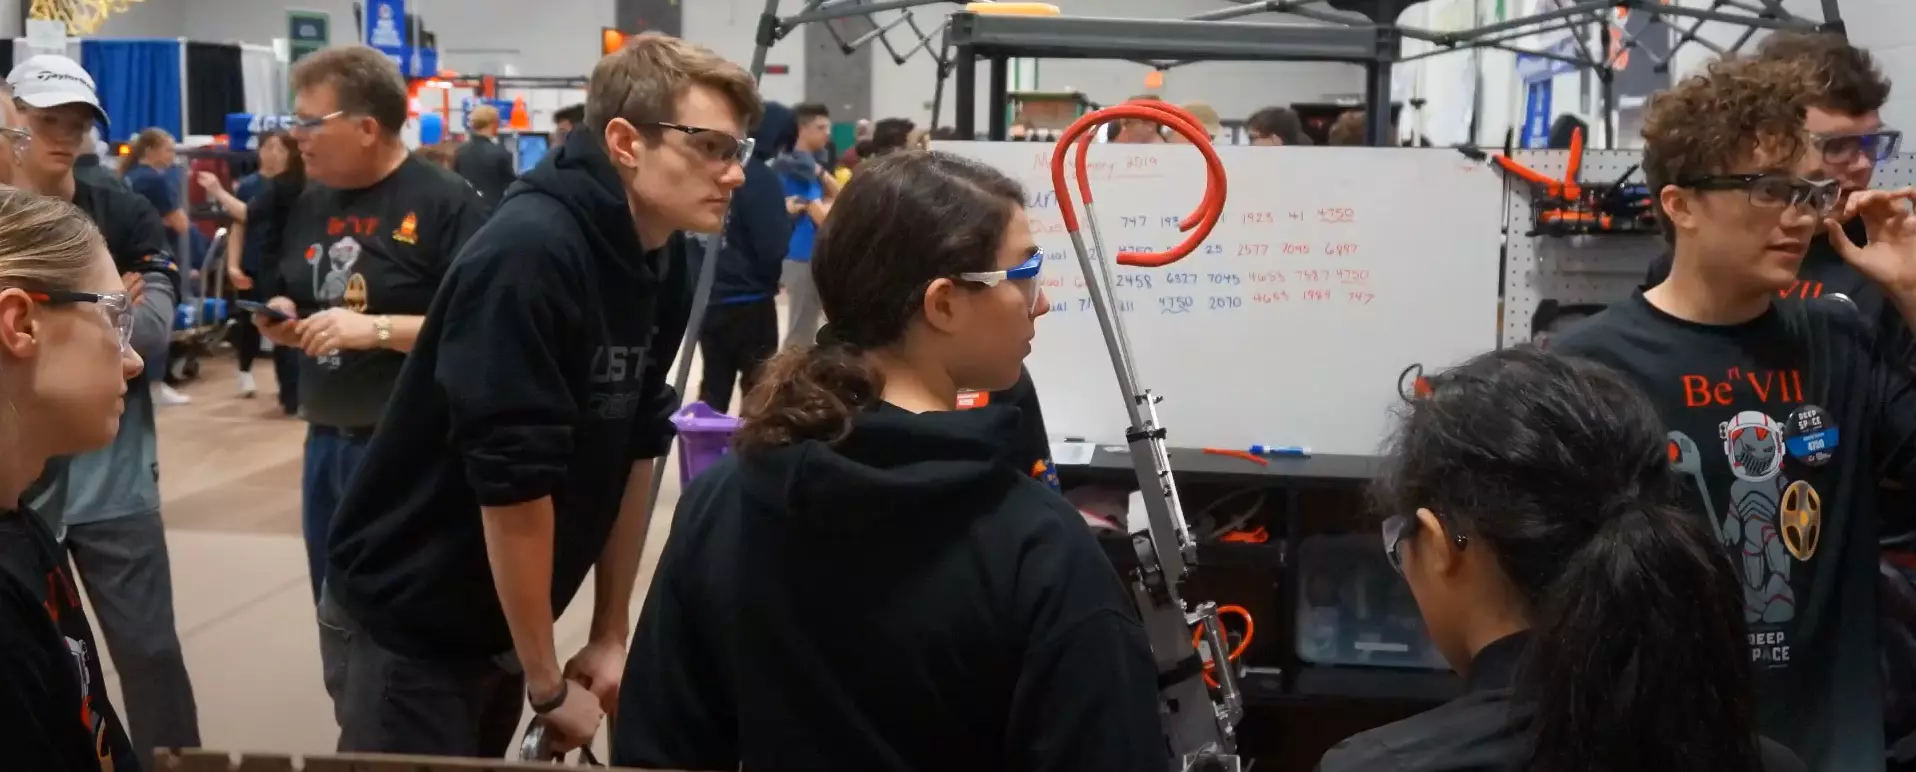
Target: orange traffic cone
[{"x": 521, "y": 117}]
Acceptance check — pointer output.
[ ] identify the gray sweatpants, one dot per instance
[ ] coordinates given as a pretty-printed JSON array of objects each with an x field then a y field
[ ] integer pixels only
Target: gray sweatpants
[
  {"x": 390, "y": 703},
  {"x": 802, "y": 311},
  {"x": 124, "y": 566}
]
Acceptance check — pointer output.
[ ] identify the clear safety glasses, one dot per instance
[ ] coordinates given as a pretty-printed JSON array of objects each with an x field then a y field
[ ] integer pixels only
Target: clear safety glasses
[{"x": 1024, "y": 277}]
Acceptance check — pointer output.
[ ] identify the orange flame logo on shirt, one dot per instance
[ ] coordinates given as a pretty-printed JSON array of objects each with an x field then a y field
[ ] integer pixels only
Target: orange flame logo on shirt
[{"x": 408, "y": 232}]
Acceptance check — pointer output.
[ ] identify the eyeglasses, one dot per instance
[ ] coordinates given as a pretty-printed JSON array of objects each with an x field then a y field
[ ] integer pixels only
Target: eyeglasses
[
  {"x": 1774, "y": 191},
  {"x": 1844, "y": 149},
  {"x": 16, "y": 139},
  {"x": 1396, "y": 527},
  {"x": 304, "y": 125},
  {"x": 118, "y": 307},
  {"x": 1024, "y": 276},
  {"x": 713, "y": 144}
]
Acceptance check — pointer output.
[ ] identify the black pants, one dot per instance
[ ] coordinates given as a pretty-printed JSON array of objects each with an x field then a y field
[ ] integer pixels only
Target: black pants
[
  {"x": 735, "y": 339},
  {"x": 243, "y": 334},
  {"x": 390, "y": 703},
  {"x": 286, "y": 371}
]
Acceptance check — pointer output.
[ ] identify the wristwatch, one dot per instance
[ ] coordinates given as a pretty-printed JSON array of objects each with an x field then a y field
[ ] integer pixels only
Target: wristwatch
[
  {"x": 383, "y": 325},
  {"x": 553, "y": 703}
]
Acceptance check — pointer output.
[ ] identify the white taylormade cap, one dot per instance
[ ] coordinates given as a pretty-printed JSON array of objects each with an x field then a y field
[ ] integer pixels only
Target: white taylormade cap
[{"x": 48, "y": 80}]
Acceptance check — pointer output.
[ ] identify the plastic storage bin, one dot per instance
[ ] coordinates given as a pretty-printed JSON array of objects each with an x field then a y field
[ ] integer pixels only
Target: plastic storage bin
[
  {"x": 705, "y": 436},
  {"x": 1353, "y": 609}
]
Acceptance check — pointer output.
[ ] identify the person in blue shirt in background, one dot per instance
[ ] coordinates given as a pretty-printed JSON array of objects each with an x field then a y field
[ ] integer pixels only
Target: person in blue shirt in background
[
  {"x": 809, "y": 189},
  {"x": 740, "y": 330},
  {"x": 148, "y": 169}
]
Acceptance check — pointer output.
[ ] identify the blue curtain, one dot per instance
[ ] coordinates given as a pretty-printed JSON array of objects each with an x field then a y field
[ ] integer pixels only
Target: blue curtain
[{"x": 139, "y": 83}]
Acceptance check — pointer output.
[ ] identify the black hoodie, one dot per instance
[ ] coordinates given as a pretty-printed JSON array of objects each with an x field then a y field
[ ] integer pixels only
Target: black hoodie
[
  {"x": 540, "y": 371},
  {"x": 760, "y": 229},
  {"x": 903, "y": 600}
]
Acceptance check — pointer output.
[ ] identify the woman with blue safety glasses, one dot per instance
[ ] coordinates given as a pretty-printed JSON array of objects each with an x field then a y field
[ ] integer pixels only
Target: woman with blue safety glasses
[
  {"x": 1597, "y": 623},
  {"x": 866, "y": 582}
]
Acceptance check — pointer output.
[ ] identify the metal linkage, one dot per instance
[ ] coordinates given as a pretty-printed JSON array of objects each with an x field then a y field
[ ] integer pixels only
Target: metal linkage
[{"x": 1199, "y": 725}]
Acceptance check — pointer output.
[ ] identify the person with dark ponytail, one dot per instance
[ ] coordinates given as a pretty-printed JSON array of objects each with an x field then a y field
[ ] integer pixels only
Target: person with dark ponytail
[
  {"x": 867, "y": 582},
  {"x": 1599, "y": 625}
]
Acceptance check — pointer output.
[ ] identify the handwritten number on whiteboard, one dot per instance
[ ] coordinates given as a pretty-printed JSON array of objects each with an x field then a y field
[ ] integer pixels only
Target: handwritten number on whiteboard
[{"x": 1175, "y": 304}]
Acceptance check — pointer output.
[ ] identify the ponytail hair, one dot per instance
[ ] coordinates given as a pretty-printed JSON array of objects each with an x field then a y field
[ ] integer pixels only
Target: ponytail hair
[
  {"x": 143, "y": 142},
  {"x": 808, "y": 393},
  {"x": 1560, "y": 467},
  {"x": 906, "y": 220},
  {"x": 1639, "y": 658}
]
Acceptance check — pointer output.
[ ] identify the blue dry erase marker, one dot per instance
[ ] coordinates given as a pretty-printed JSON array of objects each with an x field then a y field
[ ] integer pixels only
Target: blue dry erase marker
[{"x": 1288, "y": 450}]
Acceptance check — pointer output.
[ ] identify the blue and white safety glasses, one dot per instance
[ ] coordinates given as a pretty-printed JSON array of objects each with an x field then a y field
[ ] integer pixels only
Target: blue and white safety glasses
[{"x": 1024, "y": 276}]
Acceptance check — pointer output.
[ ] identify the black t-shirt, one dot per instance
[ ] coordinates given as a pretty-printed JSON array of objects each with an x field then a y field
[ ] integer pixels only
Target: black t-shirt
[
  {"x": 135, "y": 235},
  {"x": 380, "y": 250},
  {"x": 1784, "y": 424},
  {"x": 1824, "y": 273},
  {"x": 53, "y": 701}
]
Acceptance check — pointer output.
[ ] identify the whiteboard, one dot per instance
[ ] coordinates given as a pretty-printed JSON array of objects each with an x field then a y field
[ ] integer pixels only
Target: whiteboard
[{"x": 1331, "y": 271}]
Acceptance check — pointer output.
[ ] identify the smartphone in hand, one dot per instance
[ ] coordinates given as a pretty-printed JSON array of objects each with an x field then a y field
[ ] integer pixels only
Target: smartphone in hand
[{"x": 256, "y": 307}]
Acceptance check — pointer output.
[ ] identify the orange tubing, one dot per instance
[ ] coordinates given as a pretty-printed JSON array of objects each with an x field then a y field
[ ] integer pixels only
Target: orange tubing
[
  {"x": 1200, "y": 222},
  {"x": 1250, "y": 628}
]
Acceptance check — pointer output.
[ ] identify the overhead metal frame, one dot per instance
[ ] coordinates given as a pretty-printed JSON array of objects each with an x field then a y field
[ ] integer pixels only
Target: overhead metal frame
[
  {"x": 1349, "y": 34},
  {"x": 999, "y": 39}
]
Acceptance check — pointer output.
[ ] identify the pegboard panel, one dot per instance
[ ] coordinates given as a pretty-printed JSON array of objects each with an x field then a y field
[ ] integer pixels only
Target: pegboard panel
[{"x": 1591, "y": 269}]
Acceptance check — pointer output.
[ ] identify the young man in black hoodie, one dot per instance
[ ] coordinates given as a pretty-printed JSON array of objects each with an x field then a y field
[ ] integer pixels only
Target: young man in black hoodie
[
  {"x": 1783, "y": 411},
  {"x": 517, "y": 451},
  {"x": 740, "y": 330}
]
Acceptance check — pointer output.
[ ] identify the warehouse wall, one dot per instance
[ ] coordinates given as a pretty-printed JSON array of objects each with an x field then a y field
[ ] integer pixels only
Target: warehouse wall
[
  {"x": 1885, "y": 27},
  {"x": 560, "y": 37}
]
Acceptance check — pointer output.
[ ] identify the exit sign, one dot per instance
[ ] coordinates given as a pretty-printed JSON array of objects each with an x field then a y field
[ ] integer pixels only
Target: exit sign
[{"x": 778, "y": 69}]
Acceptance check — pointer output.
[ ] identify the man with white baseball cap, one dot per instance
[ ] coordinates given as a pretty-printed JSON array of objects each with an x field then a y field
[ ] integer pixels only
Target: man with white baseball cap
[
  {"x": 107, "y": 502},
  {"x": 60, "y": 104}
]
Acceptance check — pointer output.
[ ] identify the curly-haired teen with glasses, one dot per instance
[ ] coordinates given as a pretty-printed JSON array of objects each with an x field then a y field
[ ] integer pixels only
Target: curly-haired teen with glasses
[{"x": 1783, "y": 411}]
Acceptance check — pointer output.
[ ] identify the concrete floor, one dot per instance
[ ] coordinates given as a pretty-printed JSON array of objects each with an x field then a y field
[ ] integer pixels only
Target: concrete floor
[{"x": 230, "y": 486}]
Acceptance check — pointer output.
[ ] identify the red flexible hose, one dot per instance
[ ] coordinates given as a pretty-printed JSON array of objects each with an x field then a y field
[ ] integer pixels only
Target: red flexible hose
[{"x": 1199, "y": 223}]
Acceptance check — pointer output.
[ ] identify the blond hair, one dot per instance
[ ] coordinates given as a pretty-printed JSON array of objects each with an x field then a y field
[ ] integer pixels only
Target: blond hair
[
  {"x": 45, "y": 244},
  {"x": 643, "y": 81},
  {"x": 483, "y": 117},
  {"x": 1206, "y": 116}
]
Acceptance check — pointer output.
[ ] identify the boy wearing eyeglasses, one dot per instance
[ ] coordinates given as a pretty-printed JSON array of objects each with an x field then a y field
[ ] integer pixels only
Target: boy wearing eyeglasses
[
  {"x": 1783, "y": 411},
  {"x": 1849, "y": 138},
  {"x": 516, "y": 455}
]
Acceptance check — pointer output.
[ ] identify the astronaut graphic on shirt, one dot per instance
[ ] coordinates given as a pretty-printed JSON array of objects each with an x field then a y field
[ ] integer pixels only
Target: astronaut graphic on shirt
[
  {"x": 340, "y": 259},
  {"x": 1757, "y": 510},
  {"x": 1753, "y": 447}
]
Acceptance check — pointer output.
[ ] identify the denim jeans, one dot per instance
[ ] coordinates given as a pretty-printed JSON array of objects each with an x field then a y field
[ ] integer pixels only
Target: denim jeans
[{"x": 332, "y": 456}]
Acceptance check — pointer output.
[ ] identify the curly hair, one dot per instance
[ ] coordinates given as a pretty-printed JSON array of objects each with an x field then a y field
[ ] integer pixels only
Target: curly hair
[
  {"x": 1847, "y": 78},
  {"x": 1735, "y": 110}
]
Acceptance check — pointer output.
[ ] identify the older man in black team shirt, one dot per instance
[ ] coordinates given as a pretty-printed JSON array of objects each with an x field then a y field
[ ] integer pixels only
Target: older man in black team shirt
[
  {"x": 361, "y": 253},
  {"x": 518, "y": 452},
  {"x": 1783, "y": 411}
]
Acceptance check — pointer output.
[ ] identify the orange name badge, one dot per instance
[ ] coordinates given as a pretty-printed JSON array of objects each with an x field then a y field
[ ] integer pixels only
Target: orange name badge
[{"x": 970, "y": 399}]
